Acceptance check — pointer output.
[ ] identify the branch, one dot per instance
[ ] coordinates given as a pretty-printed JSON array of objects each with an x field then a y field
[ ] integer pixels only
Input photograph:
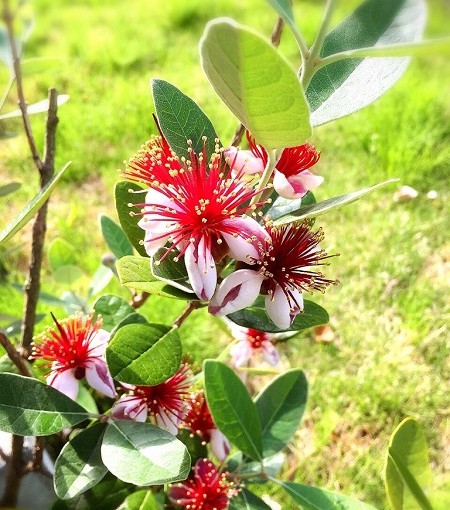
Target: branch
[
  {"x": 9, "y": 22},
  {"x": 139, "y": 299},
  {"x": 276, "y": 37},
  {"x": 14, "y": 355},
  {"x": 33, "y": 285},
  {"x": 191, "y": 306}
]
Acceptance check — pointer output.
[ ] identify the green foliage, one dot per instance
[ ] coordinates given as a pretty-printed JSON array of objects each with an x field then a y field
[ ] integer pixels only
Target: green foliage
[
  {"x": 145, "y": 354},
  {"x": 7, "y": 189},
  {"x": 113, "y": 310},
  {"x": 344, "y": 87},
  {"x": 181, "y": 120},
  {"x": 246, "y": 500},
  {"x": 143, "y": 454},
  {"x": 32, "y": 109},
  {"x": 232, "y": 408},
  {"x": 255, "y": 317},
  {"x": 280, "y": 406},
  {"x": 135, "y": 273},
  {"x": 31, "y": 208},
  {"x": 256, "y": 83},
  {"x": 128, "y": 221},
  {"x": 407, "y": 472},
  {"x": 140, "y": 500},
  {"x": 79, "y": 466},
  {"x": 31, "y": 408},
  {"x": 115, "y": 237}
]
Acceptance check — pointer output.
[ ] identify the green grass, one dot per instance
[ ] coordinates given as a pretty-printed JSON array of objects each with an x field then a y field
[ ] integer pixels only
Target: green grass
[{"x": 390, "y": 313}]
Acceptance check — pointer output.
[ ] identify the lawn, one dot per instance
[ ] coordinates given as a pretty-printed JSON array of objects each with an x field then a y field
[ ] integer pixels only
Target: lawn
[{"x": 389, "y": 357}]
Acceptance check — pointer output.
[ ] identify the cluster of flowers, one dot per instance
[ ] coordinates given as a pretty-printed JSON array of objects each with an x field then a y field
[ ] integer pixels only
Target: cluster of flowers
[{"x": 207, "y": 209}]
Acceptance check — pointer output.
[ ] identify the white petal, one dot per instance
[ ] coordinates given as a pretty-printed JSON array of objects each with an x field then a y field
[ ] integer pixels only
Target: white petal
[
  {"x": 99, "y": 378},
  {"x": 165, "y": 422},
  {"x": 201, "y": 269},
  {"x": 241, "y": 246},
  {"x": 98, "y": 343},
  {"x": 129, "y": 407},
  {"x": 244, "y": 161},
  {"x": 241, "y": 353},
  {"x": 237, "y": 291},
  {"x": 283, "y": 187},
  {"x": 278, "y": 308},
  {"x": 219, "y": 444},
  {"x": 65, "y": 382},
  {"x": 270, "y": 353}
]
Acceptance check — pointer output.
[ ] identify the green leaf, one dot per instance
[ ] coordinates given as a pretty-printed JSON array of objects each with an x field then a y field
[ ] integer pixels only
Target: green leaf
[
  {"x": 246, "y": 500},
  {"x": 316, "y": 209},
  {"x": 79, "y": 466},
  {"x": 113, "y": 310},
  {"x": 74, "y": 304},
  {"x": 169, "y": 271},
  {"x": 133, "y": 318},
  {"x": 407, "y": 471},
  {"x": 255, "y": 317},
  {"x": 256, "y": 83},
  {"x": 129, "y": 223},
  {"x": 68, "y": 274},
  {"x": 31, "y": 208},
  {"x": 143, "y": 454},
  {"x": 135, "y": 273},
  {"x": 31, "y": 408},
  {"x": 284, "y": 206},
  {"x": 61, "y": 253},
  {"x": 313, "y": 498},
  {"x": 232, "y": 408},
  {"x": 280, "y": 406},
  {"x": 9, "y": 188},
  {"x": 140, "y": 500},
  {"x": 115, "y": 237},
  {"x": 271, "y": 466},
  {"x": 145, "y": 354},
  {"x": 100, "y": 279},
  {"x": 344, "y": 87},
  {"x": 181, "y": 119},
  {"x": 32, "y": 109},
  {"x": 86, "y": 400}
]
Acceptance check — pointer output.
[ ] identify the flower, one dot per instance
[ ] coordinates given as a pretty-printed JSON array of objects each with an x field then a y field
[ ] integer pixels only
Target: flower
[
  {"x": 166, "y": 403},
  {"x": 251, "y": 342},
  {"x": 206, "y": 489},
  {"x": 282, "y": 271},
  {"x": 197, "y": 205},
  {"x": 75, "y": 349},
  {"x": 291, "y": 178},
  {"x": 200, "y": 422}
]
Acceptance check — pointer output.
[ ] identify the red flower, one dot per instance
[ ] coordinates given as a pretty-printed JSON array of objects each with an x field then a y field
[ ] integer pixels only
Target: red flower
[
  {"x": 166, "y": 403},
  {"x": 206, "y": 489},
  {"x": 200, "y": 422},
  {"x": 75, "y": 349}
]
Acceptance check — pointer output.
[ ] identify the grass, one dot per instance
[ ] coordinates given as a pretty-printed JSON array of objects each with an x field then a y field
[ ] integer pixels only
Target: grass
[{"x": 389, "y": 358}]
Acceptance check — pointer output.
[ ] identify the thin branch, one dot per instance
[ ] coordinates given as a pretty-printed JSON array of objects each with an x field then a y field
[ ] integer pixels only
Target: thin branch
[
  {"x": 14, "y": 355},
  {"x": 14, "y": 472},
  {"x": 276, "y": 38},
  {"x": 9, "y": 22},
  {"x": 137, "y": 300},
  {"x": 33, "y": 285},
  {"x": 191, "y": 306}
]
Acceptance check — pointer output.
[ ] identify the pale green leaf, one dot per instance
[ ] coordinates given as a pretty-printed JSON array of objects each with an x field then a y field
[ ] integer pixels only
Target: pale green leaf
[{"x": 32, "y": 109}]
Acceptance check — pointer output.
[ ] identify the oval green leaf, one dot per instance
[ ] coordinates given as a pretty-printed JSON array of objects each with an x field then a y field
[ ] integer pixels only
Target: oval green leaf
[
  {"x": 346, "y": 86},
  {"x": 61, "y": 253},
  {"x": 280, "y": 406},
  {"x": 232, "y": 408},
  {"x": 115, "y": 237},
  {"x": 143, "y": 454},
  {"x": 31, "y": 408},
  {"x": 246, "y": 500},
  {"x": 79, "y": 466},
  {"x": 7, "y": 189},
  {"x": 256, "y": 83},
  {"x": 145, "y": 354},
  {"x": 113, "y": 310},
  {"x": 31, "y": 208},
  {"x": 407, "y": 472},
  {"x": 181, "y": 119},
  {"x": 255, "y": 317},
  {"x": 140, "y": 500}
]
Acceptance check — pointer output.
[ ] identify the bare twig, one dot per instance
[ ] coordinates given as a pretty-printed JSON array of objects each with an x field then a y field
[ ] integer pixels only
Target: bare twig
[
  {"x": 14, "y": 473},
  {"x": 138, "y": 299},
  {"x": 33, "y": 285},
  {"x": 191, "y": 306},
  {"x": 276, "y": 38},
  {"x": 14, "y": 355}
]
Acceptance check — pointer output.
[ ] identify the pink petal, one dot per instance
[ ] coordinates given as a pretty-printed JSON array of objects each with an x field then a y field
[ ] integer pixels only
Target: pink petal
[
  {"x": 219, "y": 444},
  {"x": 129, "y": 407},
  {"x": 238, "y": 290},
  {"x": 244, "y": 245},
  {"x": 244, "y": 161},
  {"x": 168, "y": 423},
  {"x": 295, "y": 186},
  {"x": 99, "y": 378},
  {"x": 65, "y": 382},
  {"x": 201, "y": 269},
  {"x": 241, "y": 353},
  {"x": 98, "y": 343},
  {"x": 270, "y": 353}
]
